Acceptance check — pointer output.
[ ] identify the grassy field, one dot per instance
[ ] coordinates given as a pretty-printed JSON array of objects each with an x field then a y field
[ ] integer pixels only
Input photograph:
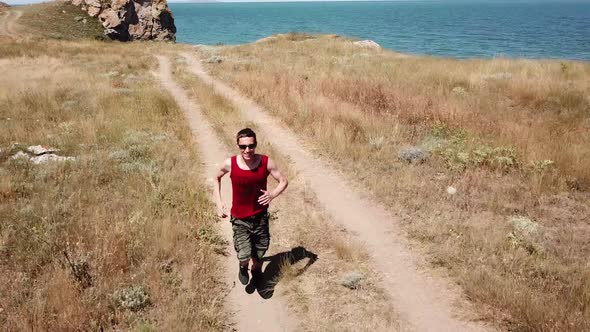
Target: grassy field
[
  {"x": 113, "y": 239},
  {"x": 313, "y": 287},
  {"x": 60, "y": 20},
  {"x": 511, "y": 136}
]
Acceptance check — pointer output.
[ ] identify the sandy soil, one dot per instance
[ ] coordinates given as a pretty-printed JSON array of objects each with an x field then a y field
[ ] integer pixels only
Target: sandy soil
[
  {"x": 250, "y": 311},
  {"x": 426, "y": 300}
]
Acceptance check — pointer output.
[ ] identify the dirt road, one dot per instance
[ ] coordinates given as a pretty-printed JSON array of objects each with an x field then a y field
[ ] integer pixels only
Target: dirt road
[
  {"x": 250, "y": 311},
  {"x": 8, "y": 19},
  {"x": 425, "y": 301}
]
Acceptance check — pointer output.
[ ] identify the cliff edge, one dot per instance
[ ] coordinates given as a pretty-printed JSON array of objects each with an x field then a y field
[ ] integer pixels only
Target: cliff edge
[{"x": 128, "y": 20}]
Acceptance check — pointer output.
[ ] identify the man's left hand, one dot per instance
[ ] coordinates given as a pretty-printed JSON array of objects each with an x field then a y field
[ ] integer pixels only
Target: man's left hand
[{"x": 265, "y": 198}]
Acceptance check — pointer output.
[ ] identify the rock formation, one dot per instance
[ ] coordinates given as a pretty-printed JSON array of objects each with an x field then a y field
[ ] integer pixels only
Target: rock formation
[
  {"x": 4, "y": 5},
  {"x": 367, "y": 44},
  {"x": 128, "y": 20}
]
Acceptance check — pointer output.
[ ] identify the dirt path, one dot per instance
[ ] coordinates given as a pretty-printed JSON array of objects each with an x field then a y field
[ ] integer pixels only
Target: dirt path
[
  {"x": 250, "y": 311},
  {"x": 426, "y": 302},
  {"x": 7, "y": 22}
]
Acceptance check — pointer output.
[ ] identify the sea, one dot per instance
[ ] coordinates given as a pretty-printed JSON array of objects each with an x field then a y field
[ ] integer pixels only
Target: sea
[{"x": 459, "y": 29}]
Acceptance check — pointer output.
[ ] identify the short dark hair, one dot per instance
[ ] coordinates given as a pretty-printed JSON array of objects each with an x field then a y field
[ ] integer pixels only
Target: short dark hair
[{"x": 246, "y": 132}]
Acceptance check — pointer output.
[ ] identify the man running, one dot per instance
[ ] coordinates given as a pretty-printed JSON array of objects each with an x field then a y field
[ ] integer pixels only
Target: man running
[{"x": 249, "y": 211}]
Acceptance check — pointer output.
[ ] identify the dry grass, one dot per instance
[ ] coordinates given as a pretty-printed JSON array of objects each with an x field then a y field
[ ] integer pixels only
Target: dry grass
[
  {"x": 513, "y": 136},
  {"x": 77, "y": 237},
  {"x": 60, "y": 20},
  {"x": 315, "y": 292}
]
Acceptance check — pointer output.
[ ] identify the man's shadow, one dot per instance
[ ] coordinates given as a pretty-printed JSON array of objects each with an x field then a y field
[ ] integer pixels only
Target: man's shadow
[{"x": 265, "y": 285}]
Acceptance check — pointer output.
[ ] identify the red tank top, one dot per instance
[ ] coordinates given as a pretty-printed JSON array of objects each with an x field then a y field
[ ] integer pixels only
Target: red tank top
[{"x": 246, "y": 186}]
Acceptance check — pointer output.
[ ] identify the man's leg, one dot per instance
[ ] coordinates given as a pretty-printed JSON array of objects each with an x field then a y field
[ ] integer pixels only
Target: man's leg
[
  {"x": 261, "y": 241},
  {"x": 243, "y": 247}
]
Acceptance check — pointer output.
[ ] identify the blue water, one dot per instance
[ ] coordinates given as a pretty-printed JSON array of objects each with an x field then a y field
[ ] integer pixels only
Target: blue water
[{"x": 457, "y": 29}]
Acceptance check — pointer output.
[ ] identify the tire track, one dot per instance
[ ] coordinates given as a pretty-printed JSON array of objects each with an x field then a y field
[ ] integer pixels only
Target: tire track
[
  {"x": 425, "y": 302},
  {"x": 251, "y": 312},
  {"x": 7, "y": 23}
]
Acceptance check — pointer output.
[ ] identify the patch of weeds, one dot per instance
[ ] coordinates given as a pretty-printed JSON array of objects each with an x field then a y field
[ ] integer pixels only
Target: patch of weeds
[
  {"x": 460, "y": 150},
  {"x": 80, "y": 269},
  {"x": 272, "y": 216},
  {"x": 352, "y": 280},
  {"x": 144, "y": 326},
  {"x": 208, "y": 234},
  {"x": 524, "y": 235},
  {"x": 376, "y": 142},
  {"x": 137, "y": 151},
  {"x": 173, "y": 281},
  {"x": 133, "y": 298},
  {"x": 542, "y": 166}
]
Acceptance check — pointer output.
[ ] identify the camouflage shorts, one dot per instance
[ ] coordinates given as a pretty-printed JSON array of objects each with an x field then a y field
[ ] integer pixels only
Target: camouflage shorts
[{"x": 251, "y": 236}]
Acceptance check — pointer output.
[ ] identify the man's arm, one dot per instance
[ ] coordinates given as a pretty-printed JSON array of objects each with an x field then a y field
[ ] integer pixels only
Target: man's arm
[
  {"x": 221, "y": 209},
  {"x": 274, "y": 171}
]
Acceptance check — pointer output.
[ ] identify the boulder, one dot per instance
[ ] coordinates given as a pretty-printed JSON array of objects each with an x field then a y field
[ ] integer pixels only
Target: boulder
[
  {"x": 128, "y": 20},
  {"x": 367, "y": 44},
  {"x": 38, "y": 150},
  {"x": 93, "y": 11},
  {"x": 93, "y": 3},
  {"x": 412, "y": 155},
  {"x": 118, "y": 4},
  {"x": 42, "y": 159}
]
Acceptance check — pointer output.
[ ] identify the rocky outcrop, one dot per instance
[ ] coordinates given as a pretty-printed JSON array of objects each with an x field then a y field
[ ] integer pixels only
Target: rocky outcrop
[
  {"x": 4, "y": 5},
  {"x": 128, "y": 20},
  {"x": 367, "y": 44}
]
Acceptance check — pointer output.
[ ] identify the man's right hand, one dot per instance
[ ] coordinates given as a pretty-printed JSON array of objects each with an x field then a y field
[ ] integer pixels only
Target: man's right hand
[{"x": 221, "y": 211}]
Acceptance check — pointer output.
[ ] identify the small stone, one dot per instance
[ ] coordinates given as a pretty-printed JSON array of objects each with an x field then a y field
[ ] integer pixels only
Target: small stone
[
  {"x": 451, "y": 190},
  {"x": 523, "y": 225},
  {"x": 78, "y": 18},
  {"x": 42, "y": 159},
  {"x": 20, "y": 155},
  {"x": 215, "y": 59},
  {"x": 110, "y": 74},
  {"x": 352, "y": 280},
  {"x": 38, "y": 150},
  {"x": 412, "y": 155},
  {"x": 367, "y": 44},
  {"x": 93, "y": 11}
]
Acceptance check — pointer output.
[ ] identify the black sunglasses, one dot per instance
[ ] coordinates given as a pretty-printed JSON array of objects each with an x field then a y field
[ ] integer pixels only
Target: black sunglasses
[{"x": 244, "y": 146}]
